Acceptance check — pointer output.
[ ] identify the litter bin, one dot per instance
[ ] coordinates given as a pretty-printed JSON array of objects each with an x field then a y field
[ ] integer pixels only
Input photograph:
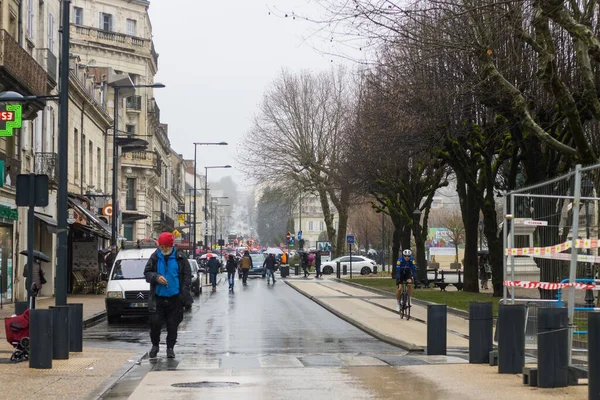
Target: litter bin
[{"x": 285, "y": 271}]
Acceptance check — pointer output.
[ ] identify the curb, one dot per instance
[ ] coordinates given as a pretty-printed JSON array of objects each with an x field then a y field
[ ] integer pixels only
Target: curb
[
  {"x": 111, "y": 381},
  {"x": 385, "y": 338},
  {"x": 455, "y": 311},
  {"x": 94, "y": 320}
]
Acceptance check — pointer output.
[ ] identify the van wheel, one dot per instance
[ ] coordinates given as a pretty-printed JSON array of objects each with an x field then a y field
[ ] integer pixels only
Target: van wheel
[{"x": 113, "y": 319}]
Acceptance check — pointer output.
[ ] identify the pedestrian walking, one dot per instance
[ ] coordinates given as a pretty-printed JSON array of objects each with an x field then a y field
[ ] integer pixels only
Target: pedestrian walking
[
  {"x": 231, "y": 269},
  {"x": 169, "y": 275},
  {"x": 213, "y": 269},
  {"x": 305, "y": 264},
  {"x": 318, "y": 264},
  {"x": 109, "y": 260},
  {"x": 270, "y": 265},
  {"x": 245, "y": 265},
  {"x": 36, "y": 283}
]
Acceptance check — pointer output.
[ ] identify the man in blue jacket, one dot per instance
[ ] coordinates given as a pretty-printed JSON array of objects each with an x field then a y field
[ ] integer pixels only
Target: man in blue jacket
[
  {"x": 170, "y": 275},
  {"x": 213, "y": 269},
  {"x": 406, "y": 274}
]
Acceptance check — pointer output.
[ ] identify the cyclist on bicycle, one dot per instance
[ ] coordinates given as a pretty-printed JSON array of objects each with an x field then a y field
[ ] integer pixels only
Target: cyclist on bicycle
[{"x": 406, "y": 273}]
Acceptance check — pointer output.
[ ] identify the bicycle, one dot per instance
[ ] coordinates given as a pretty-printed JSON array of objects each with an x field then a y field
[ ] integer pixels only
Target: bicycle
[{"x": 404, "y": 301}]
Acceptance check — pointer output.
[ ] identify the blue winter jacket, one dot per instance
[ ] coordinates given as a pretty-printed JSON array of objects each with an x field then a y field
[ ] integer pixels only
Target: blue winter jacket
[{"x": 402, "y": 264}]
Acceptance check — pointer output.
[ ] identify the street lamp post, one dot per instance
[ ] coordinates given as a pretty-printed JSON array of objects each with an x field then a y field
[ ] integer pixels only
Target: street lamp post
[
  {"x": 215, "y": 202},
  {"x": 196, "y": 144},
  {"x": 115, "y": 205},
  {"x": 206, "y": 199}
]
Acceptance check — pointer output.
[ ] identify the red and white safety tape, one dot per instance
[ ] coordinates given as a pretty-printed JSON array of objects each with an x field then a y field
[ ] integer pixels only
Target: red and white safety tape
[{"x": 549, "y": 285}]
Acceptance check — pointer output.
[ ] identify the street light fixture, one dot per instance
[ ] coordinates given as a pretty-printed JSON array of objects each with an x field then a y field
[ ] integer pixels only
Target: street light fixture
[
  {"x": 206, "y": 199},
  {"x": 196, "y": 144},
  {"x": 115, "y": 205}
]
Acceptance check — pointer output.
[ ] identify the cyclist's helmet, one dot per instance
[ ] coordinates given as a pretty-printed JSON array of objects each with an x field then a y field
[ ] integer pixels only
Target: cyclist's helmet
[{"x": 407, "y": 252}]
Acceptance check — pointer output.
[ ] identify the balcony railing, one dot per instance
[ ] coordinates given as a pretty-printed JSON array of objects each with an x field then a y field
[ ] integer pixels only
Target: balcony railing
[
  {"x": 134, "y": 103},
  {"x": 130, "y": 203},
  {"x": 21, "y": 66},
  {"x": 162, "y": 219},
  {"x": 154, "y": 54},
  {"x": 113, "y": 38},
  {"x": 45, "y": 164},
  {"x": 142, "y": 159}
]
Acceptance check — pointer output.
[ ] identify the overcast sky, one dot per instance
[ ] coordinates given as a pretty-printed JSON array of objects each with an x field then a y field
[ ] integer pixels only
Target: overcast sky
[{"x": 217, "y": 58}]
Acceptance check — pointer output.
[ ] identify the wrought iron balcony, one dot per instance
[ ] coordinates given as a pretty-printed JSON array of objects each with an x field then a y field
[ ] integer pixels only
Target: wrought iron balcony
[
  {"x": 134, "y": 103},
  {"x": 27, "y": 75},
  {"x": 45, "y": 164},
  {"x": 163, "y": 220}
]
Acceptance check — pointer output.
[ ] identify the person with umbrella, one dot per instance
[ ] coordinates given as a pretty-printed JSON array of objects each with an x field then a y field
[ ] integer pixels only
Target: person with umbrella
[
  {"x": 213, "y": 269},
  {"x": 38, "y": 279}
]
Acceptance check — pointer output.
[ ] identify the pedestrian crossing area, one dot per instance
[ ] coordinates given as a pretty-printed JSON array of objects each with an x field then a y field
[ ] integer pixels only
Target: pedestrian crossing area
[{"x": 317, "y": 360}]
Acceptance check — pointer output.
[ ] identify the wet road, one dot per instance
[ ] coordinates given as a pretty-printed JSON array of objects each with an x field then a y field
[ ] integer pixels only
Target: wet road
[{"x": 257, "y": 328}]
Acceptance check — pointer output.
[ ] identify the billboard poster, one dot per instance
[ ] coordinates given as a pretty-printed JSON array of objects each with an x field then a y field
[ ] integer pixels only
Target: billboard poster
[{"x": 439, "y": 237}]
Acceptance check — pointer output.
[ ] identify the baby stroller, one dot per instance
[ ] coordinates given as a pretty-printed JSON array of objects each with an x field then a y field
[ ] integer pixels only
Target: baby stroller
[{"x": 17, "y": 334}]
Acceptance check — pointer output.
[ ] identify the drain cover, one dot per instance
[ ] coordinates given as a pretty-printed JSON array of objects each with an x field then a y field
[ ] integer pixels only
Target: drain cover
[{"x": 204, "y": 384}]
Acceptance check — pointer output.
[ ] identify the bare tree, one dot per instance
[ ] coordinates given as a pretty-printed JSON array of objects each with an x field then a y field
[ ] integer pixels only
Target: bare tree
[{"x": 297, "y": 141}]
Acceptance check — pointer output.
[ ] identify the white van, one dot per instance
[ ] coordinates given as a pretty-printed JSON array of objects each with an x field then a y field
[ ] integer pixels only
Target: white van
[{"x": 127, "y": 291}]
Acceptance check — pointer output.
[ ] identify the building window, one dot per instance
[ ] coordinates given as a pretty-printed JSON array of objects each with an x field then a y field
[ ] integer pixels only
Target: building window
[
  {"x": 311, "y": 226},
  {"x": 130, "y": 195},
  {"x": 321, "y": 226},
  {"x": 128, "y": 230},
  {"x": 78, "y": 15},
  {"x": 99, "y": 168},
  {"x": 91, "y": 162},
  {"x": 51, "y": 32},
  {"x": 130, "y": 130},
  {"x": 131, "y": 25},
  {"x": 83, "y": 159},
  {"x": 106, "y": 22},
  {"x": 30, "y": 15},
  {"x": 76, "y": 152}
]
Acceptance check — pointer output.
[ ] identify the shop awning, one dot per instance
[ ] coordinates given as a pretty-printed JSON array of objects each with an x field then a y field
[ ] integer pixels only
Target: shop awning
[
  {"x": 50, "y": 222},
  {"x": 102, "y": 228},
  {"x": 130, "y": 216}
]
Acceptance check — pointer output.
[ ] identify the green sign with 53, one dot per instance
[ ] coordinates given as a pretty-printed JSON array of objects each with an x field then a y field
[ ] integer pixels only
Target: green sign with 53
[{"x": 10, "y": 118}]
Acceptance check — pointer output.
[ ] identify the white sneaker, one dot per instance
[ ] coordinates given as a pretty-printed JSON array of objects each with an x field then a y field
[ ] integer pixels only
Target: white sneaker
[{"x": 398, "y": 307}]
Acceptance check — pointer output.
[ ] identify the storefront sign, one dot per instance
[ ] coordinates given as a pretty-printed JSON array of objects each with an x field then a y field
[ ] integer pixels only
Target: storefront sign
[{"x": 10, "y": 118}]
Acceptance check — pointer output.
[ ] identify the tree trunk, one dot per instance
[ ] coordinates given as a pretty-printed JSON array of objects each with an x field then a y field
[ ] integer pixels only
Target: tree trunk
[
  {"x": 343, "y": 226},
  {"x": 471, "y": 222},
  {"x": 495, "y": 247},
  {"x": 420, "y": 256},
  {"x": 328, "y": 218}
]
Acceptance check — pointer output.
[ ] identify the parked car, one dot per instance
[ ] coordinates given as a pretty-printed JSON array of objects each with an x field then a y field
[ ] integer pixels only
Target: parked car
[
  {"x": 257, "y": 265},
  {"x": 360, "y": 264},
  {"x": 196, "y": 278}
]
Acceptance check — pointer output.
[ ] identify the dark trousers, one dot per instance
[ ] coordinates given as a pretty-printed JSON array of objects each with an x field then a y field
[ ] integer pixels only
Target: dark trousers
[
  {"x": 230, "y": 278},
  {"x": 213, "y": 279},
  {"x": 318, "y": 270},
  {"x": 169, "y": 311},
  {"x": 245, "y": 275},
  {"x": 305, "y": 269}
]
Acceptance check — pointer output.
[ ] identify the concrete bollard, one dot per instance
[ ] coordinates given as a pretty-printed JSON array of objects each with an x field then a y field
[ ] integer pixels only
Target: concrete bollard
[
  {"x": 593, "y": 359},
  {"x": 40, "y": 335},
  {"x": 375, "y": 269},
  {"x": 76, "y": 327},
  {"x": 60, "y": 333},
  {"x": 511, "y": 338},
  {"x": 344, "y": 269},
  {"x": 437, "y": 321},
  {"x": 20, "y": 307},
  {"x": 553, "y": 347},
  {"x": 481, "y": 326}
]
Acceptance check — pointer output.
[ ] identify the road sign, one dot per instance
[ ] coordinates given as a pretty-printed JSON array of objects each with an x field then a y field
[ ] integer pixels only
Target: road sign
[
  {"x": 288, "y": 236},
  {"x": 299, "y": 235},
  {"x": 292, "y": 241},
  {"x": 10, "y": 118},
  {"x": 349, "y": 239},
  {"x": 107, "y": 210},
  {"x": 181, "y": 218}
]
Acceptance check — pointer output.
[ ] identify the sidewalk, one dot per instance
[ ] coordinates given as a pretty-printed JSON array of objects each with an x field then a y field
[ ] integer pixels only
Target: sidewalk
[
  {"x": 83, "y": 375},
  {"x": 376, "y": 314}
]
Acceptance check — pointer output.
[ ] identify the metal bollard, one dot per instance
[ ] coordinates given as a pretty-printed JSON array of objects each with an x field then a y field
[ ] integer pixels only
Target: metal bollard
[
  {"x": 297, "y": 270},
  {"x": 20, "y": 307},
  {"x": 75, "y": 327},
  {"x": 481, "y": 326},
  {"x": 344, "y": 269},
  {"x": 375, "y": 269},
  {"x": 511, "y": 338},
  {"x": 60, "y": 333},
  {"x": 40, "y": 335},
  {"x": 593, "y": 359},
  {"x": 553, "y": 347},
  {"x": 437, "y": 321},
  {"x": 337, "y": 270}
]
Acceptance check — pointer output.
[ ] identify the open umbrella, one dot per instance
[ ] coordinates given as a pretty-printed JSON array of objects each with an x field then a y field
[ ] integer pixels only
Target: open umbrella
[
  {"x": 37, "y": 255},
  {"x": 273, "y": 250},
  {"x": 207, "y": 255}
]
